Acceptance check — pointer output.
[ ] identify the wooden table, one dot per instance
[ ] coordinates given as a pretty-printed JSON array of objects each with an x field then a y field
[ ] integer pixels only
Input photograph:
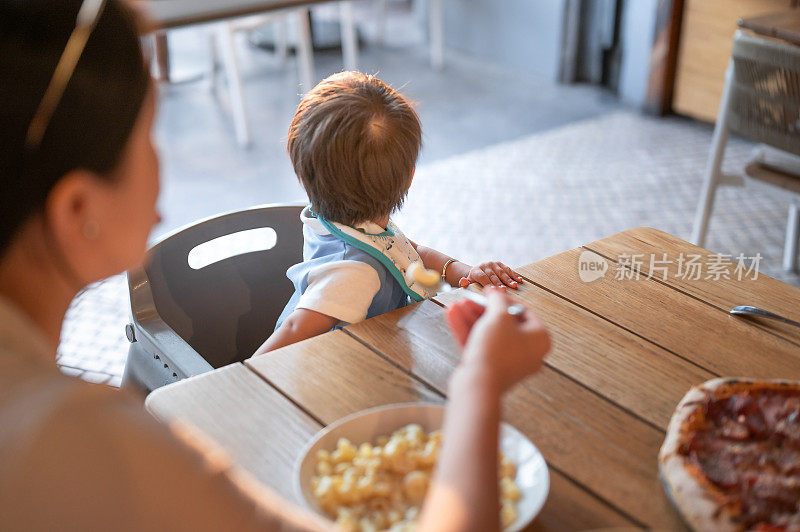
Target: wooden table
[
  {"x": 624, "y": 353},
  {"x": 784, "y": 25},
  {"x": 171, "y": 14}
]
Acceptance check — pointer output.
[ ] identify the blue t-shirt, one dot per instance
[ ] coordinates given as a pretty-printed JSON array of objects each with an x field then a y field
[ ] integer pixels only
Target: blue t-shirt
[{"x": 357, "y": 293}]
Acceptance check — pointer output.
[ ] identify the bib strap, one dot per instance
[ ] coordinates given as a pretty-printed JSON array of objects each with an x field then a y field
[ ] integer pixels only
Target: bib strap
[{"x": 375, "y": 253}]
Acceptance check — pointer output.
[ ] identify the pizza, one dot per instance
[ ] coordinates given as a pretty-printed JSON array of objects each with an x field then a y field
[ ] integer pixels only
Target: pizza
[{"x": 731, "y": 457}]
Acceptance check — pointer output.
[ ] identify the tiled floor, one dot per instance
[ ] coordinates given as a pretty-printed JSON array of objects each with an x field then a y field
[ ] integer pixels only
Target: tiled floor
[
  {"x": 466, "y": 106},
  {"x": 587, "y": 180},
  {"x": 93, "y": 343},
  {"x": 503, "y": 153}
]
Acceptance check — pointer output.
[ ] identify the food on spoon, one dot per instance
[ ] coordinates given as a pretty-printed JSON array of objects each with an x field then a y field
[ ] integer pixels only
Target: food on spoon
[{"x": 427, "y": 278}]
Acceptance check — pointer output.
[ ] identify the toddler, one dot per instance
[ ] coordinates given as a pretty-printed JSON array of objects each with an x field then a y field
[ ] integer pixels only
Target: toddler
[{"x": 354, "y": 143}]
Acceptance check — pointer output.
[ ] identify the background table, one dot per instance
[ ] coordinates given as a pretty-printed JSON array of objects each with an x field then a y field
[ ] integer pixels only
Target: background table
[
  {"x": 784, "y": 25},
  {"x": 166, "y": 15},
  {"x": 171, "y": 14},
  {"x": 624, "y": 353}
]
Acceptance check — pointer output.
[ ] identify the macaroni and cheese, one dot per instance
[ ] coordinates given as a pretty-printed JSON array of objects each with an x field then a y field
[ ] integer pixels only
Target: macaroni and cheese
[{"x": 381, "y": 486}]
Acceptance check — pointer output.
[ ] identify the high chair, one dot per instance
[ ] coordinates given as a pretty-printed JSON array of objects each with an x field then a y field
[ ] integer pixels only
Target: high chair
[{"x": 210, "y": 293}]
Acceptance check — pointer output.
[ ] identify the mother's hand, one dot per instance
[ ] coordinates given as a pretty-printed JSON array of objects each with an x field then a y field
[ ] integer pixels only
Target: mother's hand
[{"x": 508, "y": 348}]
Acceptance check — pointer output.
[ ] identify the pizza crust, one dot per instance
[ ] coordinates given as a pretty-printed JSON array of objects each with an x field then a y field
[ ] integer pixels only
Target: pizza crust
[{"x": 697, "y": 499}]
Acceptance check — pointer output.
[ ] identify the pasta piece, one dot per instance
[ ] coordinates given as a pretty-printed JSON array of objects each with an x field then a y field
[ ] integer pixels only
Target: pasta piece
[
  {"x": 508, "y": 514},
  {"x": 509, "y": 490}
]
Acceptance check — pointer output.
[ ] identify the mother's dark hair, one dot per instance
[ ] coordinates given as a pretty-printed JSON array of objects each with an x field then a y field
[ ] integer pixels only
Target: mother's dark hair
[{"x": 95, "y": 117}]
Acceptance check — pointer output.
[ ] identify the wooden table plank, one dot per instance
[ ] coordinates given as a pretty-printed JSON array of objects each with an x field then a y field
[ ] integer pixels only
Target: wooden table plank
[
  {"x": 587, "y": 438},
  {"x": 325, "y": 376},
  {"x": 613, "y": 362},
  {"x": 579, "y": 432},
  {"x": 570, "y": 507},
  {"x": 415, "y": 338},
  {"x": 404, "y": 337},
  {"x": 261, "y": 430},
  {"x": 685, "y": 326},
  {"x": 764, "y": 292}
]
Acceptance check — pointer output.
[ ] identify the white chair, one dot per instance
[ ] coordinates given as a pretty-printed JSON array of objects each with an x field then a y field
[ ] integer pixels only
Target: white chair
[
  {"x": 435, "y": 29},
  {"x": 761, "y": 101},
  {"x": 223, "y": 43},
  {"x": 223, "y": 40}
]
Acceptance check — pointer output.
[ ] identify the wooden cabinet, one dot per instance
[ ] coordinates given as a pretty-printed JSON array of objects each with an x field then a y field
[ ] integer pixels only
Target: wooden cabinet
[{"x": 705, "y": 49}]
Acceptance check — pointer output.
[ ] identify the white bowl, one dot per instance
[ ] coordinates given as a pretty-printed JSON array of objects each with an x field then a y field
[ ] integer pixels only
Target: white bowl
[{"x": 533, "y": 478}]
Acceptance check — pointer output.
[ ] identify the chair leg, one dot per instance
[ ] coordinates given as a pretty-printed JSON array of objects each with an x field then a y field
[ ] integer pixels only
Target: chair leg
[
  {"x": 305, "y": 53},
  {"x": 713, "y": 167},
  {"x": 706, "y": 205},
  {"x": 281, "y": 38},
  {"x": 162, "y": 56},
  {"x": 792, "y": 245},
  {"x": 383, "y": 13},
  {"x": 227, "y": 45},
  {"x": 349, "y": 38},
  {"x": 214, "y": 63},
  {"x": 436, "y": 32}
]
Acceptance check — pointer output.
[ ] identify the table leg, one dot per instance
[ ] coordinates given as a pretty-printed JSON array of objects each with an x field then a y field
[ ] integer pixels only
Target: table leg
[
  {"x": 162, "y": 56},
  {"x": 156, "y": 48}
]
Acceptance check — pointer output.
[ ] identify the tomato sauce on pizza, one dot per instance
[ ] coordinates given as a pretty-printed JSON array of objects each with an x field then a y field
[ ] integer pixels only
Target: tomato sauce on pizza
[
  {"x": 749, "y": 448},
  {"x": 732, "y": 456}
]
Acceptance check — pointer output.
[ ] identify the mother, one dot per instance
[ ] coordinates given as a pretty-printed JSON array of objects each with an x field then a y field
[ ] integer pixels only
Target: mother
[{"x": 79, "y": 182}]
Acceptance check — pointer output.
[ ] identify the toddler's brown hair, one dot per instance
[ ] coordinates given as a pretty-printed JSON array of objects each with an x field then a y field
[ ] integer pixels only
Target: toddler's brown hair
[{"x": 354, "y": 143}]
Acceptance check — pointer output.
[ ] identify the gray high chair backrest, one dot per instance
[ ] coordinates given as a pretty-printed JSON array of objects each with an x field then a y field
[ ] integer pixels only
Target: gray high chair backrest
[
  {"x": 764, "y": 100},
  {"x": 188, "y": 320}
]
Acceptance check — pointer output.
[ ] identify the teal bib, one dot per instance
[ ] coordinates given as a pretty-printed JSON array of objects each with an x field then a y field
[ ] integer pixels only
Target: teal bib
[{"x": 391, "y": 248}]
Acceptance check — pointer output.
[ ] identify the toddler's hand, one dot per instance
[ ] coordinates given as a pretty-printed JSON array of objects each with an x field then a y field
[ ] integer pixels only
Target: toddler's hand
[{"x": 491, "y": 273}]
